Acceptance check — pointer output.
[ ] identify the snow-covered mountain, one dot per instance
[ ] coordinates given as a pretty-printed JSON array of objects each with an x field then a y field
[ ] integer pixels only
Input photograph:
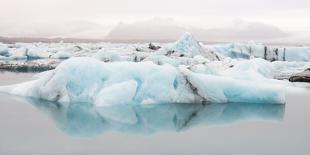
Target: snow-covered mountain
[{"x": 159, "y": 29}]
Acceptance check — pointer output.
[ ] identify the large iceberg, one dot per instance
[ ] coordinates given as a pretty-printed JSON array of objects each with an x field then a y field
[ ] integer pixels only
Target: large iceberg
[{"x": 89, "y": 80}]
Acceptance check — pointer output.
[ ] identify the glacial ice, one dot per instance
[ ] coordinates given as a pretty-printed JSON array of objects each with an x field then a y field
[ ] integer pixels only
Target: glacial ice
[
  {"x": 107, "y": 56},
  {"x": 271, "y": 53},
  {"x": 297, "y": 54},
  {"x": 89, "y": 80},
  {"x": 36, "y": 53},
  {"x": 185, "y": 71},
  {"x": 62, "y": 55},
  {"x": 4, "y": 51},
  {"x": 186, "y": 45},
  {"x": 219, "y": 89}
]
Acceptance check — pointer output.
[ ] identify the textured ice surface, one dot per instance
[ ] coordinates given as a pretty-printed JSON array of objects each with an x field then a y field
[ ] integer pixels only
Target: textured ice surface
[
  {"x": 83, "y": 79},
  {"x": 271, "y": 53},
  {"x": 185, "y": 51},
  {"x": 185, "y": 71},
  {"x": 4, "y": 51},
  {"x": 187, "y": 46},
  {"x": 220, "y": 89},
  {"x": 89, "y": 80}
]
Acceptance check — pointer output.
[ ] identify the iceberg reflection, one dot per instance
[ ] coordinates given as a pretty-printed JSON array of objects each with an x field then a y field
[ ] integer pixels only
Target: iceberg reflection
[{"x": 86, "y": 120}]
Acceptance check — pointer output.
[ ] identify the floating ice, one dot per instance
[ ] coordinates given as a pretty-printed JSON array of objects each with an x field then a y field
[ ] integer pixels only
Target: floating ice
[
  {"x": 90, "y": 80},
  {"x": 4, "y": 51},
  {"x": 81, "y": 79},
  {"x": 218, "y": 89},
  {"x": 185, "y": 51},
  {"x": 271, "y": 53},
  {"x": 187, "y": 46},
  {"x": 107, "y": 56},
  {"x": 36, "y": 53},
  {"x": 63, "y": 55},
  {"x": 18, "y": 53},
  {"x": 297, "y": 54}
]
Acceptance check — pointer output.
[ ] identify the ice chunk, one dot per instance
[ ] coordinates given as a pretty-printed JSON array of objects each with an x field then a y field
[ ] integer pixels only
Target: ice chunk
[
  {"x": 233, "y": 50},
  {"x": 125, "y": 93},
  {"x": 63, "y": 55},
  {"x": 296, "y": 54},
  {"x": 81, "y": 79},
  {"x": 4, "y": 57},
  {"x": 257, "y": 67},
  {"x": 37, "y": 53},
  {"x": 187, "y": 45},
  {"x": 271, "y": 53},
  {"x": 219, "y": 89},
  {"x": 174, "y": 61},
  {"x": 18, "y": 53},
  {"x": 4, "y": 51},
  {"x": 107, "y": 56},
  {"x": 89, "y": 80}
]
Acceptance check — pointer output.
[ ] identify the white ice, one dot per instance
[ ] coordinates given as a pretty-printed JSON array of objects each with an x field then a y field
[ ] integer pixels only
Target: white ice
[{"x": 89, "y": 80}]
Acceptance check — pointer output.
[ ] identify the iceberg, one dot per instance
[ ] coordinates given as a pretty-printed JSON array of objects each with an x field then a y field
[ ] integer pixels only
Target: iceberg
[
  {"x": 36, "y": 53},
  {"x": 296, "y": 54},
  {"x": 219, "y": 89},
  {"x": 187, "y": 46},
  {"x": 254, "y": 68},
  {"x": 81, "y": 79},
  {"x": 185, "y": 51},
  {"x": 63, "y": 55},
  {"x": 270, "y": 53},
  {"x": 18, "y": 53},
  {"x": 4, "y": 51},
  {"x": 87, "y": 79},
  {"x": 107, "y": 56}
]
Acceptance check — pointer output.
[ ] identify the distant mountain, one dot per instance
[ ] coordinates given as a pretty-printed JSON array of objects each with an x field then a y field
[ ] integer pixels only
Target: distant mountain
[
  {"x": 30, "y": 40},
  {"x": 168, "y": 30},
  {"x": 156, "y": 29},
  {"x": 53, "y": 29}
]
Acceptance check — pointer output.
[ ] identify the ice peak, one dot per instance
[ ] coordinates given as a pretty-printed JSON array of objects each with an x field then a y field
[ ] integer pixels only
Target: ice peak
[{"x": 187, "y": 45}]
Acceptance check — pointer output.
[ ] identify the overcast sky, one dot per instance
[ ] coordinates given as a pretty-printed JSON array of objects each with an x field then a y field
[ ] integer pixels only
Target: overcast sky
[{"x": 95, "y": 18}]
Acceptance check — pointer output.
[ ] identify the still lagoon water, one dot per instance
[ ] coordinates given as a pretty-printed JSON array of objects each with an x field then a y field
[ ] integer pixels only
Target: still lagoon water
[{"x": 34, "y": 127}]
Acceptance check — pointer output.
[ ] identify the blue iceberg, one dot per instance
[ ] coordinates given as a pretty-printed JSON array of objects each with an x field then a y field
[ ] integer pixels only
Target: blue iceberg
[{"x": 89, "y": 80}]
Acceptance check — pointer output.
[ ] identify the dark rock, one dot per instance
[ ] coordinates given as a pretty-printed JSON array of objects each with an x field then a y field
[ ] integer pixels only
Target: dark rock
[
  {"x": 153, "y": 47},
  {"x": 27, "y": 66},
  {"x": 301, "y": 77}
]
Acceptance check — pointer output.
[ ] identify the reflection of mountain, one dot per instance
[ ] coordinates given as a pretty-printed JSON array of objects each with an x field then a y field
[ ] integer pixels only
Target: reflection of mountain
[
  {"x": 83, "y": 119},
  {"x": 166, "y": 29}
]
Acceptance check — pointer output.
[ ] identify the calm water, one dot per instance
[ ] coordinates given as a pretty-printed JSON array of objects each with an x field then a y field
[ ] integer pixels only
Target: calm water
[{"x": 29, "y": 126}]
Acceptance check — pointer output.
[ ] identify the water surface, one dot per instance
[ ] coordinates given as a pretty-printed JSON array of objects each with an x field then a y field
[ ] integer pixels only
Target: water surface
[{"x": 30, "y": 126}]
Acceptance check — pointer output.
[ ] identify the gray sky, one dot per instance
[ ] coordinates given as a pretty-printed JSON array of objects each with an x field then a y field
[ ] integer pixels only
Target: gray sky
[{"x": 95, "y": 18}]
